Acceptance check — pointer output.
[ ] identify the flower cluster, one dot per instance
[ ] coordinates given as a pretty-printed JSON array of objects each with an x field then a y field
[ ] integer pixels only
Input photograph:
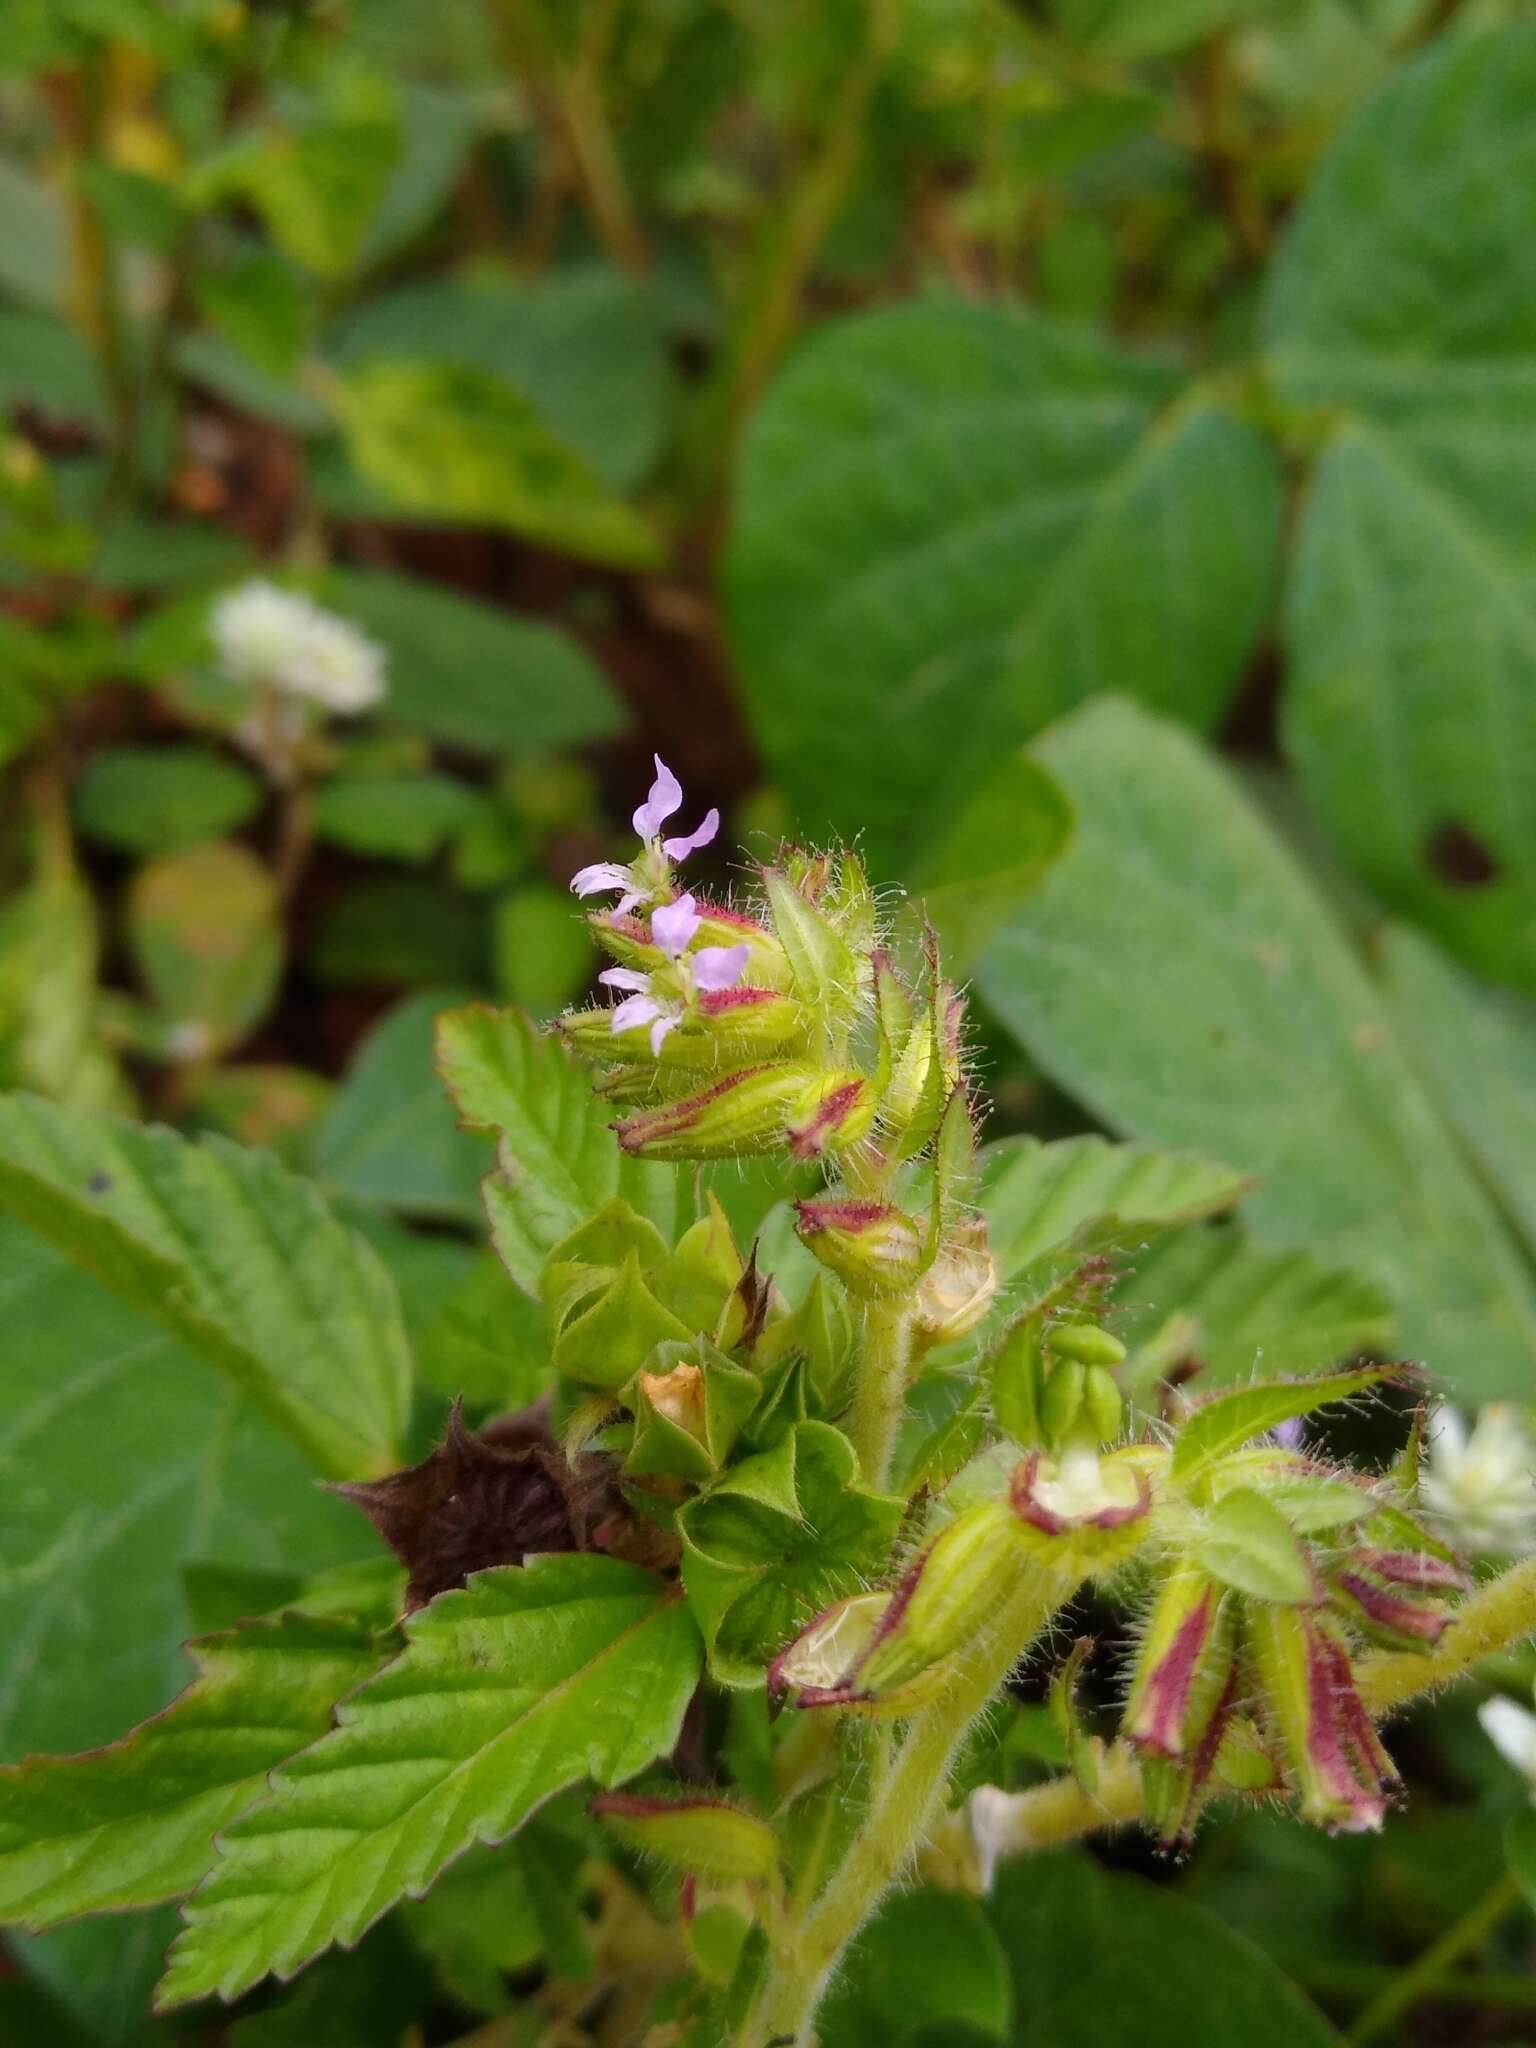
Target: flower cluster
[
  {"x": 272, "y": 639},
  {"x": 1480, "y": 1485}
]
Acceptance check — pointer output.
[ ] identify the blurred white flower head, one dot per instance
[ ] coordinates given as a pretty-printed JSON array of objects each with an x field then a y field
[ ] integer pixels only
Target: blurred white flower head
[
  {"x": 1482, "y": 1484},
  {"x": 1512, "y": 1731},
  {"x": 278, "y": 640}
]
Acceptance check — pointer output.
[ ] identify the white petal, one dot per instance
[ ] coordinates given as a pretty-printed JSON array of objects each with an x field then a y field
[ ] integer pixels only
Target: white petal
[
  {"x": 1512, "y": 1731},
  {"x": 603, "y": 874},
  {"x": 625, "y": 977},
  {"x": 635, "y": 1011}
]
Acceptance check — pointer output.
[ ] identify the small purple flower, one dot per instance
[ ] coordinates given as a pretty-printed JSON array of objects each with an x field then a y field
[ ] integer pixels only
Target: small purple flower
[
  {"x": 1291, "y": 1434},
  {"x": 673, "y": 926},
  {"x": 647, "y": 876},
  {"x": 604, "y": 875},
  {"x": 665, "y": 798}
]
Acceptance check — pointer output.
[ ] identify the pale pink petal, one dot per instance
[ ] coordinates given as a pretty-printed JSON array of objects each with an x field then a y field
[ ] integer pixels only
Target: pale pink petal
[
  {"x": 665, "y": 797},
  {"x": 674, "y": 924},
  {"x": 634, "y": 1011},
  {"x": 625, "y": 977},
  {"x": 717, "y": 967},
  {"x": 603, "y": 874},
  {"x": 659, "y": 1031},
  {"x": 679, "y": 849},
  {"x": 627, "y": 902}
]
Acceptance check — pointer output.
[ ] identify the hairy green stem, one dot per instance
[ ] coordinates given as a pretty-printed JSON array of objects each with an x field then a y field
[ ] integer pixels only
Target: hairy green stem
[
  {"x": 898, "y": 1819},
  {"x": 880, "y": 1391}
]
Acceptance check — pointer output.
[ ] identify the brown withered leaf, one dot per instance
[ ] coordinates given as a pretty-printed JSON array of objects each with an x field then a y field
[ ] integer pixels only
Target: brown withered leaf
[{"x": 495, "y": 1496}]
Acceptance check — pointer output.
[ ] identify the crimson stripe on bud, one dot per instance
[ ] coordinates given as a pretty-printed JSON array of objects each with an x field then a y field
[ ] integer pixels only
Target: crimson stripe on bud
[
  {"x": 740, "y": 1113},
  {"x": 1332, "y": 1753},
  {"x": 832, "y": 1114},
  {"x": 873, "y": 1247}
]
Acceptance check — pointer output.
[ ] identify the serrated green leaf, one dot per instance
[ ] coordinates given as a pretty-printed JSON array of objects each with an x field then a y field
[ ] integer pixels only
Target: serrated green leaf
[
  {"x": 1178, "y": 974},
  {"x": 1412, "y": 700},
  {"x": 1248, "y": 1544},
  {"x": 121, "y": 1461},
  {"x": 530, "y": 1679},
  {"x": 965, "y": 518},
  {"x": 1039, "y": 1198},
  {"x": 1227, "y": 1421},
  {"x": 473, "y": 674},
  {"x": 459, "y": 444},
  {"x": 133, "y": 1824},
  {"x": 559, "y": 1159},
  {"x": 234, "y": 1254},
  {"x": 155, "y": 799}
]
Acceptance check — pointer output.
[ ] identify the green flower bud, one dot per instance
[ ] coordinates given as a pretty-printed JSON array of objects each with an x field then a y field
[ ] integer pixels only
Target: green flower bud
[
  {"x": 724, "y": 1028},
  {"x": 703, "y": 1272},
  {"x": 1182, "y": 1695},
  {"x": 697, "y": 1834},
  {"x": 689, "y": 1406},
  {"x": 893, "y": 1652},
  {"x": 874, "y": 1248},
  {"x": 1103, "y": 1406},
  {"x": 1399, "y": 1599},
  {"x": 1062, "y": 1401},
  {"x": 825, "y": 971},
  {"x": 832, "y": 1112},
  {"x": 1087, "y": 1344},
  {"x": 740, "y": 1114}
]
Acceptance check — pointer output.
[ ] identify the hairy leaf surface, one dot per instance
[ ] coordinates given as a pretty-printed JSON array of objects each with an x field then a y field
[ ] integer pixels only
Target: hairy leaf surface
[
  {"x": 237, "y": 1256},
  {"x": 134, "y": 1824},
  {"x": 527, "y": 1681}
]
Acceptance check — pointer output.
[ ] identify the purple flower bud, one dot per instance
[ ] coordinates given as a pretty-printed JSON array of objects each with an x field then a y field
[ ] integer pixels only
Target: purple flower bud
[
  {"x": 1397, "y": 1598},
  {"x": 1331, "y": 1752}
]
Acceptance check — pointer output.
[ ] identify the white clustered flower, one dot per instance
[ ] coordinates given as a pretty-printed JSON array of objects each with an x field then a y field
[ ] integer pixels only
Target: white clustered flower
[
  {"x": 1482, "y": 1485},
  {"x": 1512, "y": 1731},
  {"x": 275, "y": 639}
]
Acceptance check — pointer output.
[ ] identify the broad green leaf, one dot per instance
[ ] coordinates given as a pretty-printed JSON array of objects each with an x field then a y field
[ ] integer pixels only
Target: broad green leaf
[
  {"x": 1411, "y": 711},
  {"x": 988, "y": 861},
  {"x": 1041, "y": 1198},
  {"x": 1247, "y": 1543},
  {"x": 399, "y": 817},
  {"x": 156, "y": 799},
  {"x": 256, "y": 1103},
  {"x": 530, "y": 1679},
  {"x": 1149, "y": 28},
  {"x": 1177, "y": 973},
  {"x": 35, "y": 250},
  {"x": 488, "y": 1341},
  {"x": 559, "y": 1160},
  {"x": 970, "y": 521},
  {"x": 205, "y": 931},
  {"x": 390, "y": 1137},
  {"x": 781, "y": 1536},
  {"x": 121, "y": 1460},
  {"x": 437, "y": 131},
  {"x": 585, "y": 346},
  {"x": 927, "y": 1955},
  {"x": 101, "y": 1972},
  {"x": 1476, "y": 1049},
  {"x": 462, "y": 445},
  {"x": 1241, "y": 1309},
  {"x": 235, "y": 1255},
  {"x": 496, "y": 1911},
  {"x": 471, "y": 673},
  {"x": 133, "y": 1824},
  {"x": 1227, "y": 1421},
  {"x": 1100, "y": 1956}
]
